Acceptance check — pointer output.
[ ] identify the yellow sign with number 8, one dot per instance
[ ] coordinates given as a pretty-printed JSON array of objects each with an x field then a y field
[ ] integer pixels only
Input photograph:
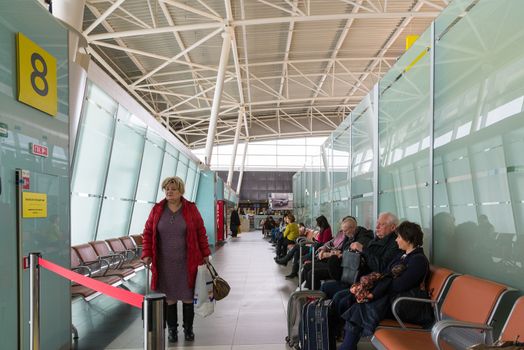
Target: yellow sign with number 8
[{"x": 36, "y": 76}]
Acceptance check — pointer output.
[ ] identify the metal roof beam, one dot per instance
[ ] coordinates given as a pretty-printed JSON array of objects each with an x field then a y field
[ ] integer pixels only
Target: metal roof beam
[
  {"x": 180, "y": 43},
  {"x": 196, "y": 44},
  {"x": 192, "y": 10},
  {"x": 294, "y": 100},
  {"x": 103, "y": 16},
  {"x": 248, "y": 84},
  {"x": 405, "y": 22},
  {"x": 357, "y": 5},
  {"x": 334, "y": 53},
  {"x": 261, "y": 21},
  {"x": 292, "y": 13}
]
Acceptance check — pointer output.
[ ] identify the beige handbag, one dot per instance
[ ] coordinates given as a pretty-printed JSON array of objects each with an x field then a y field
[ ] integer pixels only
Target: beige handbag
[{"x": 220, "y": 287}]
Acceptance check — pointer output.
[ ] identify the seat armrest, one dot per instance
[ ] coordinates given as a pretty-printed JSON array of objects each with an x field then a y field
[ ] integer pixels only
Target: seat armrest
[
  {"x": 419, "y": 300},
  {"x": 306, "y": 242},
  {"x": 440, "y": 326},
  {"x": 82, "y": 268},
  {"x": 118, "y": 258},
  {"x": 131, "y": 254}
]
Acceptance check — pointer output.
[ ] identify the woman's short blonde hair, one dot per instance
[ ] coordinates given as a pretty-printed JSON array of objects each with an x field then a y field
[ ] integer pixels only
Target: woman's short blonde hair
[{"x": 178, "y": 182}]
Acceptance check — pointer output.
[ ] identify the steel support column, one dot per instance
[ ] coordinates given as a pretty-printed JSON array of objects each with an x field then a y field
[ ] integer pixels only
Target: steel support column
[
  {"x": 241, "y": 115},
  {"x": 224, "y": 58},
  {"x": 239, "y": 184}
]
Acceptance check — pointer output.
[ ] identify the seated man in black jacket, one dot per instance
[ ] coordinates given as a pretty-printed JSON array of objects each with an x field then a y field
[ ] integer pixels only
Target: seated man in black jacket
[
  {"x": 353, "y": 234},
  {"x": 377, "y": 255}
]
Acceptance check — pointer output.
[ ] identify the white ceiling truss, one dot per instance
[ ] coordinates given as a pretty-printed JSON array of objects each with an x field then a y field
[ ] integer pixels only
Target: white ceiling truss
[{"x": 296, "y": 67}]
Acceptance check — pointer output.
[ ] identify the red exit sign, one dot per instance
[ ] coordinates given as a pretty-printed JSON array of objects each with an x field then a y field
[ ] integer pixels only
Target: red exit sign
[{"x": 39, "y": 150}]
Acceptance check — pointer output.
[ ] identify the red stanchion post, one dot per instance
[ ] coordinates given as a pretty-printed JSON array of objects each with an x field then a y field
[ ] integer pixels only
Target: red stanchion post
[{"x": 34, "y": 302}]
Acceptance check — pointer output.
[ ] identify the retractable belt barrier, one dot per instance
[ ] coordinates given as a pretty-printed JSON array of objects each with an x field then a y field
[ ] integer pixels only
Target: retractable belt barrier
[
  {"x": 152, "y": 305},
  {"x": 133, "y": 299}
]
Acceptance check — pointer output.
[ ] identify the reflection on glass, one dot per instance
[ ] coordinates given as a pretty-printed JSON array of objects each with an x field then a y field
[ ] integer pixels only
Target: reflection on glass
[
  {"x": 404, "y": 122},
  {"x": 362, "y": 142},
  {"x": 479, "y": 84}
]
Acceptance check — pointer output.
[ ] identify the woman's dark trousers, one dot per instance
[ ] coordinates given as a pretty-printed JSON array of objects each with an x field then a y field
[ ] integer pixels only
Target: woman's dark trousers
[
  {"x": 321, "y": 273},
  {"x": 282, "y": 247},
  {"x": 351, "y": 337}
]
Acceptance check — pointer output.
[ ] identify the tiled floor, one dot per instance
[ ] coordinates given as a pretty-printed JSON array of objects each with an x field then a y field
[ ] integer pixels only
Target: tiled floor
[{"x": 252, "y": 317}]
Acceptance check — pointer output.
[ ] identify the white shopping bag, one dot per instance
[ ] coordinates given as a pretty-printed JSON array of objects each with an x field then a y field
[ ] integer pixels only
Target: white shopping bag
[{"x": 203, "y": 299}]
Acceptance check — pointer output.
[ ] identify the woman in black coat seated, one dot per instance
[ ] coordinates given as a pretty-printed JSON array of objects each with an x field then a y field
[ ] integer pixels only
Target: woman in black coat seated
[{"x": 405, "y": 272}]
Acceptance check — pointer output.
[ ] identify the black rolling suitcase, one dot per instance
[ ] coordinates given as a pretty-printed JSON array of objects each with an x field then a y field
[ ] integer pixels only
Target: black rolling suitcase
[
  {"x": 315, "y": 332},
  {"x": 296, "y": 303}
]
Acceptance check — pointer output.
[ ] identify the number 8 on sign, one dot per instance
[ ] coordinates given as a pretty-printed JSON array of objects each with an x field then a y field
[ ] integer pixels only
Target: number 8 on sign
[{"x": 36, "y": 73}]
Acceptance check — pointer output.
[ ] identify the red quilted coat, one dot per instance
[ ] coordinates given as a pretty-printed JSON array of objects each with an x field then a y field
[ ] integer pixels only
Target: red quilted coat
[{"x": 196, "y": 240}]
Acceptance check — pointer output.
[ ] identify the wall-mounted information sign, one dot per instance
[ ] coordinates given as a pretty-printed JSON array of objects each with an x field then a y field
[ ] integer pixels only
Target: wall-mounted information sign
[
  {"x": 36, "y": 76},
  {"x": 34, "y": 205},
  {"x": 38, "y": 150}
]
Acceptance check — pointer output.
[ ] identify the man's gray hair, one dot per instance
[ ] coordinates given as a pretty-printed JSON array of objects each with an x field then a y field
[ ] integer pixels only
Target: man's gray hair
[
  {"x": 391, "y": 218},
  {"x": 349, "y": 219}
]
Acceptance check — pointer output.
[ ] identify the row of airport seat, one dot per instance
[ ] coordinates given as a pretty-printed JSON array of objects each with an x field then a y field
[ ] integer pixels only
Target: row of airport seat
[
  {"x": 112, "y": 261},
  {"x": 464, "y": 308}
]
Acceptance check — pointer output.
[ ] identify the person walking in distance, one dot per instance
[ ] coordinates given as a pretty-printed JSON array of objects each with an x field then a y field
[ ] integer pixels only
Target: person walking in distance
[
  {"x": 234, "y": 222},
  {"x": 175, "y": 243}
]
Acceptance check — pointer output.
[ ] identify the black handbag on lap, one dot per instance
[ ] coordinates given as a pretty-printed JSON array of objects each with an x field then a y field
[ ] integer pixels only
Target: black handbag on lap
[{"x": 351, "y": 261}]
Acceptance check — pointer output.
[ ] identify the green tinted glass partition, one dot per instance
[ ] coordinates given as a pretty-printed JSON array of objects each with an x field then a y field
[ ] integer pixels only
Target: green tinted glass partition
[
  {"x": 405, "y": 114},
  {"x": 363, "y": 144},
  {"x": 96, "y": 132},
  {"x": 205, "y": 202},
  {"x": 449, "y": 152},
  {"x": 478, "y": 141},
  {"x": 50, "y": 234}
]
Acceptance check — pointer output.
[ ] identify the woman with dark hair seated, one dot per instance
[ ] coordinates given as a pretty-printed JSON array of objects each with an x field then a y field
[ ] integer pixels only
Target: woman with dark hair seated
[
  {"x": 323, "y": 237},
  {"x": 325, "y": 233},
  {"x": 405, "y": 272}
]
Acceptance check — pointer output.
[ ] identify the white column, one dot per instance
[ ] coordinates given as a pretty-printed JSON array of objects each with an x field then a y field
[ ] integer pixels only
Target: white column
[
  {"x": 241, "y": 112},
  {"x": 242, "y": 170},
  {"x": 224, "y": 58},
  {"x": 71, "y": 12}
]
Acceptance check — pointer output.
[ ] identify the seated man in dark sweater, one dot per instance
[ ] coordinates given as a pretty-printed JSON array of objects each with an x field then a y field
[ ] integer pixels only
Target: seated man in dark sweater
[
  {"x": 353, "y": 233},
  {"x": 377, "y": 255}
]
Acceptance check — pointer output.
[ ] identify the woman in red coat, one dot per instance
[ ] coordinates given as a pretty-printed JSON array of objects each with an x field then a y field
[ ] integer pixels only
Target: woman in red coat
[{"x": 175, "y": 243}]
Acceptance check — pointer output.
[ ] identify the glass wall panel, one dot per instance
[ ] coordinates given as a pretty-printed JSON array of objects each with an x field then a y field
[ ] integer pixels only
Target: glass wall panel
[
  {"x": 151, "y": 168},
  {"x": 326, "y": 180},
  {"x": 478, "y": 133},
  {"x": 190, "y": 181},
  {"x": 195, "y": 186},
  {"x": 181, "y": 170},
  {"x": 148, "y": 183},
  {"x": 341, "y": 172},
  {"x": 169, "y": 167},
  {"x": 141, "y": 212},
  {"x": 122, "y": 177},
  {"x": 90, "y": 163},
  {"x": 405, "y": 113},
  {"x": 362, "y": 149}
]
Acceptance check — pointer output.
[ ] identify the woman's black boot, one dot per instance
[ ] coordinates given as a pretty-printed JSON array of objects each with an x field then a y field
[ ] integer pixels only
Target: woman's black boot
[
  {"x": 172, "y": 323},
  {"x": 188, "y": 311}
]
